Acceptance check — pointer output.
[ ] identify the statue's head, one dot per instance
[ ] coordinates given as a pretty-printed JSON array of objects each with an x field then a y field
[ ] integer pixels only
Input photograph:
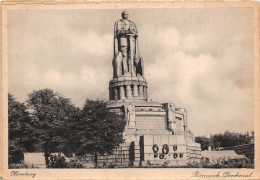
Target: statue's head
[{"x": 125, "y": 15}]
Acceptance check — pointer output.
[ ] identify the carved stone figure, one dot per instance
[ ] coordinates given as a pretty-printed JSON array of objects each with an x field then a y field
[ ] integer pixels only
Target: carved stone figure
[
  {"x": 130, "y": 115},
  {"x": 171, "y": 116},
  {"x": 127, "y": 60}
]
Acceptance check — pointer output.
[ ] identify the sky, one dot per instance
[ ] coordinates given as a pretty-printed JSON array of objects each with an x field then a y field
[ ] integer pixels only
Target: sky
[{"x": 198, "y": 59}]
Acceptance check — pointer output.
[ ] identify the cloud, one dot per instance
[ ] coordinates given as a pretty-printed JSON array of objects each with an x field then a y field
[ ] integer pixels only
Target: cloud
[
  {"x": 192, "y": 42},
  {"x": 175, "y": 67},
  {"x": 93, "y": 43},
  {"x": 208, "y": 86},
  {"x": 168, "y": 38}
]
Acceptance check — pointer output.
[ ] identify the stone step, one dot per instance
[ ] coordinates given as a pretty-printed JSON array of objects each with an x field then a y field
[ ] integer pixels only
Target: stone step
[
  {"x": 152, "y": 132},
  {"x": 147, "y": 126}
]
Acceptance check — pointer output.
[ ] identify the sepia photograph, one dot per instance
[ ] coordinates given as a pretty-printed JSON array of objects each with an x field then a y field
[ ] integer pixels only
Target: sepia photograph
[{"x": 130, "y": 87}]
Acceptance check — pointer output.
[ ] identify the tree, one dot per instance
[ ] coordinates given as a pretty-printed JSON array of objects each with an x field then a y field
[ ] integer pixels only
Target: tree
[
  {"x": 98, "y": 130},
  {"x": 226, "y": 139},
  {"x": 252, "y": 136},
  {"x": 52, "y": 115},
  {"x": 205, "y": 142},
  {"x": 230, "y": 139},
  {"x": 20, "y": 130}
]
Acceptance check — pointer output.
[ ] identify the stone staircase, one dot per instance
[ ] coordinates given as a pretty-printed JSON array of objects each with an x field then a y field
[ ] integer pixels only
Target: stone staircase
[{"x": 153, "y": 132}]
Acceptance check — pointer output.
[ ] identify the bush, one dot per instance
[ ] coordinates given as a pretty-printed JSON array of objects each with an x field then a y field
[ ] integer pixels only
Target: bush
[
  {"x": 75, "y": 164},
  {"x": 18, "y": 166},
  {"x": 57, "y": 161}
]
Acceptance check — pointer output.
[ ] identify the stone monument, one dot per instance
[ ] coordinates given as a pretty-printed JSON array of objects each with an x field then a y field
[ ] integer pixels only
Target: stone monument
[
  {"x": 127, "y": 61},
  {"x": 128, "y": 82},
  {"x": 156, "y": 133}
]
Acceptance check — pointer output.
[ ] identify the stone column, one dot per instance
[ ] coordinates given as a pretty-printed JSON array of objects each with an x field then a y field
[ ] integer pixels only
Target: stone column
[
  {"x": 122, "y": 92},
  {"x": 129, "y": 94},
  {"x": 115, "y": 93},
  {"x": 135, "y": 91},
  {"x": 141, "y": 91},
  {"x": 145, "y": 92}
]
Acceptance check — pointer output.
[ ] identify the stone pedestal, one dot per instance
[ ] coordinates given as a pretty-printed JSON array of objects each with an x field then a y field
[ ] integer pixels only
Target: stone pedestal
[
  {"x": 128, "y": 88},
  {"x": 157, "y": 124}
]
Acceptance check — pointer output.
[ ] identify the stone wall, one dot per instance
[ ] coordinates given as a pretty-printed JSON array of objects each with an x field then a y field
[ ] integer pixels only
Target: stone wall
[
  {"x": 119, "y": 158},
  {"x": 165, "y": 150}
]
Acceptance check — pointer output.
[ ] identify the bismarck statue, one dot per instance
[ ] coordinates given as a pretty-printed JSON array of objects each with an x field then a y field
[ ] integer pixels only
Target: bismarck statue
[
  {"x": 155, "y": 133},
  {"x": 127, "y": 60},
  {"x": 128, "y": 81}
]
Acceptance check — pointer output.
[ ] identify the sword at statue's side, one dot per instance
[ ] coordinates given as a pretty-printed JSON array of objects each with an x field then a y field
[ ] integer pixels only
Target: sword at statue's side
[{"x": 132, "y": 52}]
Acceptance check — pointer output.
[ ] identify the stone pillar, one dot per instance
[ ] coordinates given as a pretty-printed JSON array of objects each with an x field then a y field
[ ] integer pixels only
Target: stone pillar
[
  {"x": 145, "y": 92},
  {"x": 122, "y": 92},
  {"x": 129, "y": 94},
  {"x": 115, "y": 93},
  {"x": 141, "y": 91},
  {"x": 135, "y": 91}
]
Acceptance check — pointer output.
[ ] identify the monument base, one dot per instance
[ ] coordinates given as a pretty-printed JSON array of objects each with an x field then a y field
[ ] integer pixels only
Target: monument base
[{"x": 157, "y": 136}]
